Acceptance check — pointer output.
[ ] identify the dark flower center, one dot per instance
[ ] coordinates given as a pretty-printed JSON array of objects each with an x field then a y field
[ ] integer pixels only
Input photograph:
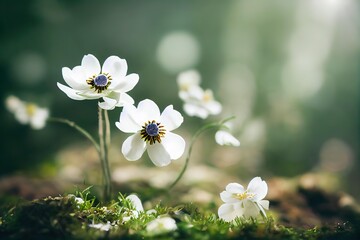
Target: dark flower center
[
  {"x": 152, "y": 129},
  {"x": 152, "y": 132},
  {"x": 99, "y": 82}
]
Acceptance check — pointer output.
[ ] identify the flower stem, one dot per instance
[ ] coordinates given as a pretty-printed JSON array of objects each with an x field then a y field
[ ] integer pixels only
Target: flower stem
[
  {"x": 104, "y": 157},
  {"x": 193, "y": 139},
  {"x": 78, "y": 128}
]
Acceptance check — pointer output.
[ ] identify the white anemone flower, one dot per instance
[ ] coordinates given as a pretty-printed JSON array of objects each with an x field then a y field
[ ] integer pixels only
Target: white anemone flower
[
  {"x": 152, "y": 132},
  {"x": 199, "y": 102},
  {"x": 91, "y": 81},
  {"x": 244, "y": 203},
  {"x": 27, "y": 113},
  {"x": 223, "y": 137},
  {"x": 161, "y": 225}
]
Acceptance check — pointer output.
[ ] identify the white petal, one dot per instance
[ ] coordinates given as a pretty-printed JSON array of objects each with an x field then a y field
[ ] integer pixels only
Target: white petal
[
  {"x": 71, "y": 93},
  {"x": 170, "y": 118},
  {"x": 80, "y": 76},
  {"x": 115, "y": 66},
  {"x": 108, "y": 104},
  {"x": 250, "y": 209},
  {"x": 174, "y": 145},
  {"x": 124, "y": 99},
  {"x": 225, "y": 138},
  {"x": 128, "y": 121},
  {"x": 71, "y": 81},
  {"x": 228, "y": 212},
  {"x": 214, "y": 107},
  {"x": 158, "y": 155},
  {"x": 91, "y": 65},
  {"x": 13, "y": 103},
  {"x": 235, "y": 188},
  {"x": 133, "y": 147},
  {"x": 194, "y": 110},
  {"x": 149, "y": 109},
  {"x": 263, "y": 204},
  {"x": 258, "y": 187},
  {"x": 187, "y": 79},
  {"x": 125, "y": 84},
  {"x": 227, "y": 197},
  {"x": 38, "y": 121},
  {"x": 136, "y": 202}
]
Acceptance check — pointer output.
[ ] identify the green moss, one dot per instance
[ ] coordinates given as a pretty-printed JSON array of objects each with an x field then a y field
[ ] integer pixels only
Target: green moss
[{"x": 65, "y": 218}]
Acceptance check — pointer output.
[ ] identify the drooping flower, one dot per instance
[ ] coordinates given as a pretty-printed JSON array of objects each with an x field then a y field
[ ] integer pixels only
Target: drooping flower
[
  {"x": 161, "y": 225},
  {"x": 197, "y": 102},
  {"x": 223, "y": 137},
  {"x": 27, "y": 113},
  {"x": 152, "y": 132},
  {"x": 91, "y": 81},
  {"x": 244, "y": 203}
]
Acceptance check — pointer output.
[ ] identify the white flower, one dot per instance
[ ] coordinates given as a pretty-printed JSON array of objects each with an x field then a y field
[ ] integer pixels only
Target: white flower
[
  {"x": 27, "y": 113},
  {"x": 161, "y": 225},
  {"x": 78, "y": 200},
  {"x": 240, "y": 202},
  {"x": 137, "y": 205},
  {"x": 225, "y": 138},
  {"x": 91, "y": 81},
  {"x": 101, "y": 226},
  {"x": 199, "y": 102},
  {"x": 152, "y": 132}
]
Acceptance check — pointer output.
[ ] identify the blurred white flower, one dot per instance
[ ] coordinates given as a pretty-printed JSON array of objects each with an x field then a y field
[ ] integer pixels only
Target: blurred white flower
[
  {"x": 101, "y": 226},
  {"x": 27, "y": 113},
  {"x": 78, "y": 200},
  {"x": 90, "y": 81},
  {"x": 197, "y": 102},
  {"x": 161, "y": 225},
  {"x": 152, "y": 132},
  {"x": 200, "y": 103},
  {"x": 244, "y": 203},
  {"x": 223, "y": 137}
]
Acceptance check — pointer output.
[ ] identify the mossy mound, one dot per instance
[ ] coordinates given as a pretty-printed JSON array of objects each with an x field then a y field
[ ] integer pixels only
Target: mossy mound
[{"x": 65, "y": 218}]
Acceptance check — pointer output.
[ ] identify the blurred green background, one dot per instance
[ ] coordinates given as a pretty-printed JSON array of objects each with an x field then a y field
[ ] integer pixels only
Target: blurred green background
[{"x": 288, "y": 70}]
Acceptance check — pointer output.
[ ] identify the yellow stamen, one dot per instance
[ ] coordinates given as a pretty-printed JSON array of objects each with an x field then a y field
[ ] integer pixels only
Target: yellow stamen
[
  {"x": 244, "y": 195},
  {"x": 30, "y": 109}
]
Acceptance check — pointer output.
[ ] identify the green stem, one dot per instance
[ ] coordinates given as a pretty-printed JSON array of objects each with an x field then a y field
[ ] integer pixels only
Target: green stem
[
  {"x": 78, "y": 128},
  {"x": 107, "y": 146},
  {"x": 103, "y": 158},
  {"x": 193, "y": 139}
]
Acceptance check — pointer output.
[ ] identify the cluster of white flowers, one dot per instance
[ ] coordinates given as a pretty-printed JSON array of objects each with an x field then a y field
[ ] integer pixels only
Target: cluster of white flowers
[
  {"x": 239, "y": 202},
  {"x": 151, "y": 130},
  {"x": 27, "y": 113}
]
